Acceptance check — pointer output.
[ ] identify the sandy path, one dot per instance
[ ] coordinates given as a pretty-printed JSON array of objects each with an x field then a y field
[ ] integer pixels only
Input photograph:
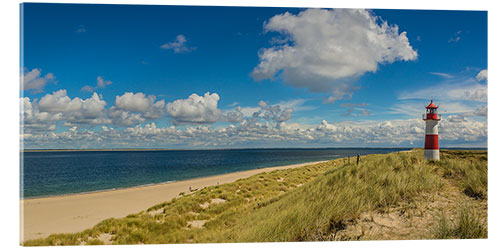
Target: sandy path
[{"x": 41, "y": 217}]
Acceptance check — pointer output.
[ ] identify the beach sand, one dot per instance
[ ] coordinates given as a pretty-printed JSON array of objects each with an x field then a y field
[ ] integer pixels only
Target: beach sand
[{"x": 41, "y": 217}]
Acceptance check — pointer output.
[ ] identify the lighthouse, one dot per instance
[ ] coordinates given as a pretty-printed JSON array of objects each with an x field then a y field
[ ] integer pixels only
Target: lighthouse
[{"x": 431, "y": 118}]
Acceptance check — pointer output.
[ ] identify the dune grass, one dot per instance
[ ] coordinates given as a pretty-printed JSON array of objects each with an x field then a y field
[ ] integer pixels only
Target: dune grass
[
  {"x": 468, "y": 170},
  {"x": 302, "y": 204},
  {"x": 320, "y": 208},
  {"x": 466, "y": 225}
]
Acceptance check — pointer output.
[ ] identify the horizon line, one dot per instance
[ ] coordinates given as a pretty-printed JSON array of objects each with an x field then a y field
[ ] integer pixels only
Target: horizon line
[{"x": 193, "y": 149}]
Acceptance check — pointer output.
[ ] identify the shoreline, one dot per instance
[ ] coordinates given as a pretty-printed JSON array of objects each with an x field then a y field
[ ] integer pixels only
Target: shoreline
[
  {"x": 161, "y": 183},
  {"x": 42, "y": 216}
]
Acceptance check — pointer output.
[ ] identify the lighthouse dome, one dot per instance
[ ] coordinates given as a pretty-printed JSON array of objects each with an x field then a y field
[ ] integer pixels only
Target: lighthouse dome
[{"x": 432, "y": 105}]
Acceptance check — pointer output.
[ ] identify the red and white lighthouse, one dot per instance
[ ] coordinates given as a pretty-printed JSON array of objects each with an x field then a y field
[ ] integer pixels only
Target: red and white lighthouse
[{"x": 431, "y": 118}]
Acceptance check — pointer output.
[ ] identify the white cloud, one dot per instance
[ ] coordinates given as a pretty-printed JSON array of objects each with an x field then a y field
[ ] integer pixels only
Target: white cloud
[
  {"x": 43, "y": 115},
  {"x": 297, "y": 104},
  {"x": 414, "y": 108},
  {"x": 59, "y": 101},
  {"x": 179, "y": 45},
  {"x": 233, "y": 116},
  {"x": 353, "y": 105},
  {"x": 233, "y": 104},
  {"x": 457, "y": 90},
  {"x": 81, "y": 29},
  {"x": 34, "y": 120},
  {"x": 34, "y": 81},
  {"x": 445, "y": 75},
  {"x": 330, "y": 48},
  {"x": 482, "y": 75},
  {"x": 136, "y": 108},
  {"x": 456, "y": 37},
  {"x": 195, "y": 110},
  {"x": 137, "y": 102},
  {"x": 249, "y": 111},
  {"x": 125, "y": 118},
  {"x": 87, "y": 88},
  {"x": 101, "y": 83},
  {"x": 273, "y": 112},
  {"x": 480, "y": 111},
  {"x": 253, "y": 133}
]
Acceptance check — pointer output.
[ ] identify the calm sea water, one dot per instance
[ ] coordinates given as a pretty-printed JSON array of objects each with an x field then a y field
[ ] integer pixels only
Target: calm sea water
[{"x": 58, "y": 173}]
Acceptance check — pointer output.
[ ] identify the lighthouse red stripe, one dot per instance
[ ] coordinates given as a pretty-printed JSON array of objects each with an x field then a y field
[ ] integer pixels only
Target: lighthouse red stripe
[{"x": 431, "y": 142}]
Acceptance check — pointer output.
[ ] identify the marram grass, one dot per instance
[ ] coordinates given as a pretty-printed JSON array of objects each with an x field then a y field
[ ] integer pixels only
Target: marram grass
[{"x": 301, "y": 204}]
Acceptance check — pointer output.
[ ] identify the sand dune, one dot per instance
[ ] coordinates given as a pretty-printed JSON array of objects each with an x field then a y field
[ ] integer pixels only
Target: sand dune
[{"x": 41, "y": 217}]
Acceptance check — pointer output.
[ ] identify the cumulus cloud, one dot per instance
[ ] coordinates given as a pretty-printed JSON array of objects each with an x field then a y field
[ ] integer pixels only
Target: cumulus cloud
[
  {"x": 195, "y": 109},
  {"x": 125, "y": 118},
  {"x": 34, "y": 81},
  {"x": 179, "y": 45},
  {"x": 101, "y": 83},
  {"x": 136, "y": 108},
  {"x": 233, "y": 116},
  {"x": 89, "y": 111},
  {"x": 42, "y": 115},
  {"x": 273, "y": 112},
  {"x": 34, "y": 120},
  {"x": 252, "y": 132},
  {"x": 59, "y": 101},
  {"x": 137, "y": 102},
  {"x": 325, "y": 50},
  {"x": 482, "y": 75}
]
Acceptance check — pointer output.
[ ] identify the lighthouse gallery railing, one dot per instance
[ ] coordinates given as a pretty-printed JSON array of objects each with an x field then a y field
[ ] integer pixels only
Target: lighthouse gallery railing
[{"x": 431, "y": 116}]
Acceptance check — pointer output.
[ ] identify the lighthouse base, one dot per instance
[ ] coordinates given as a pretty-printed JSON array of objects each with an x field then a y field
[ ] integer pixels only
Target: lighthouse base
[{"x": 431, "y": 154}]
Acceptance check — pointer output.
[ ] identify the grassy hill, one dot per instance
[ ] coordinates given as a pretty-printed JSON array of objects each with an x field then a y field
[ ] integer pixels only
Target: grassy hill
[{"x": 389, "y": 196}]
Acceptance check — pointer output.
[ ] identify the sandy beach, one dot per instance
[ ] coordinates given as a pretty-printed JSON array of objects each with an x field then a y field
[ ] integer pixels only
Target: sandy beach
[{"x": 41, "y": 217}]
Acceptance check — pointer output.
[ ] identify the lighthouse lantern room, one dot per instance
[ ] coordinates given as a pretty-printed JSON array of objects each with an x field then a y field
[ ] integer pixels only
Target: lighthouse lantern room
[{"x": 431, "y": 118}]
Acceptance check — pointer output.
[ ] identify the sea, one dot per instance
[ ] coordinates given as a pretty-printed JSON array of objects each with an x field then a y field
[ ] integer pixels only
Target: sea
[{"x": 54, "y": 173}]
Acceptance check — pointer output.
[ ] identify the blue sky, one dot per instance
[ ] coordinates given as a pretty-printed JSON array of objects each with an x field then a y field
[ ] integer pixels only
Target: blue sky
[{"x": 100, "y": 76}]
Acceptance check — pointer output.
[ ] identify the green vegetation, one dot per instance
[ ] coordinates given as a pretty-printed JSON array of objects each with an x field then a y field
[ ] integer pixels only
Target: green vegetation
[
  {"x": 467, "y": 225},
  {"x": 315, "y": 202},
  {"x": 468, "y": 170}
]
